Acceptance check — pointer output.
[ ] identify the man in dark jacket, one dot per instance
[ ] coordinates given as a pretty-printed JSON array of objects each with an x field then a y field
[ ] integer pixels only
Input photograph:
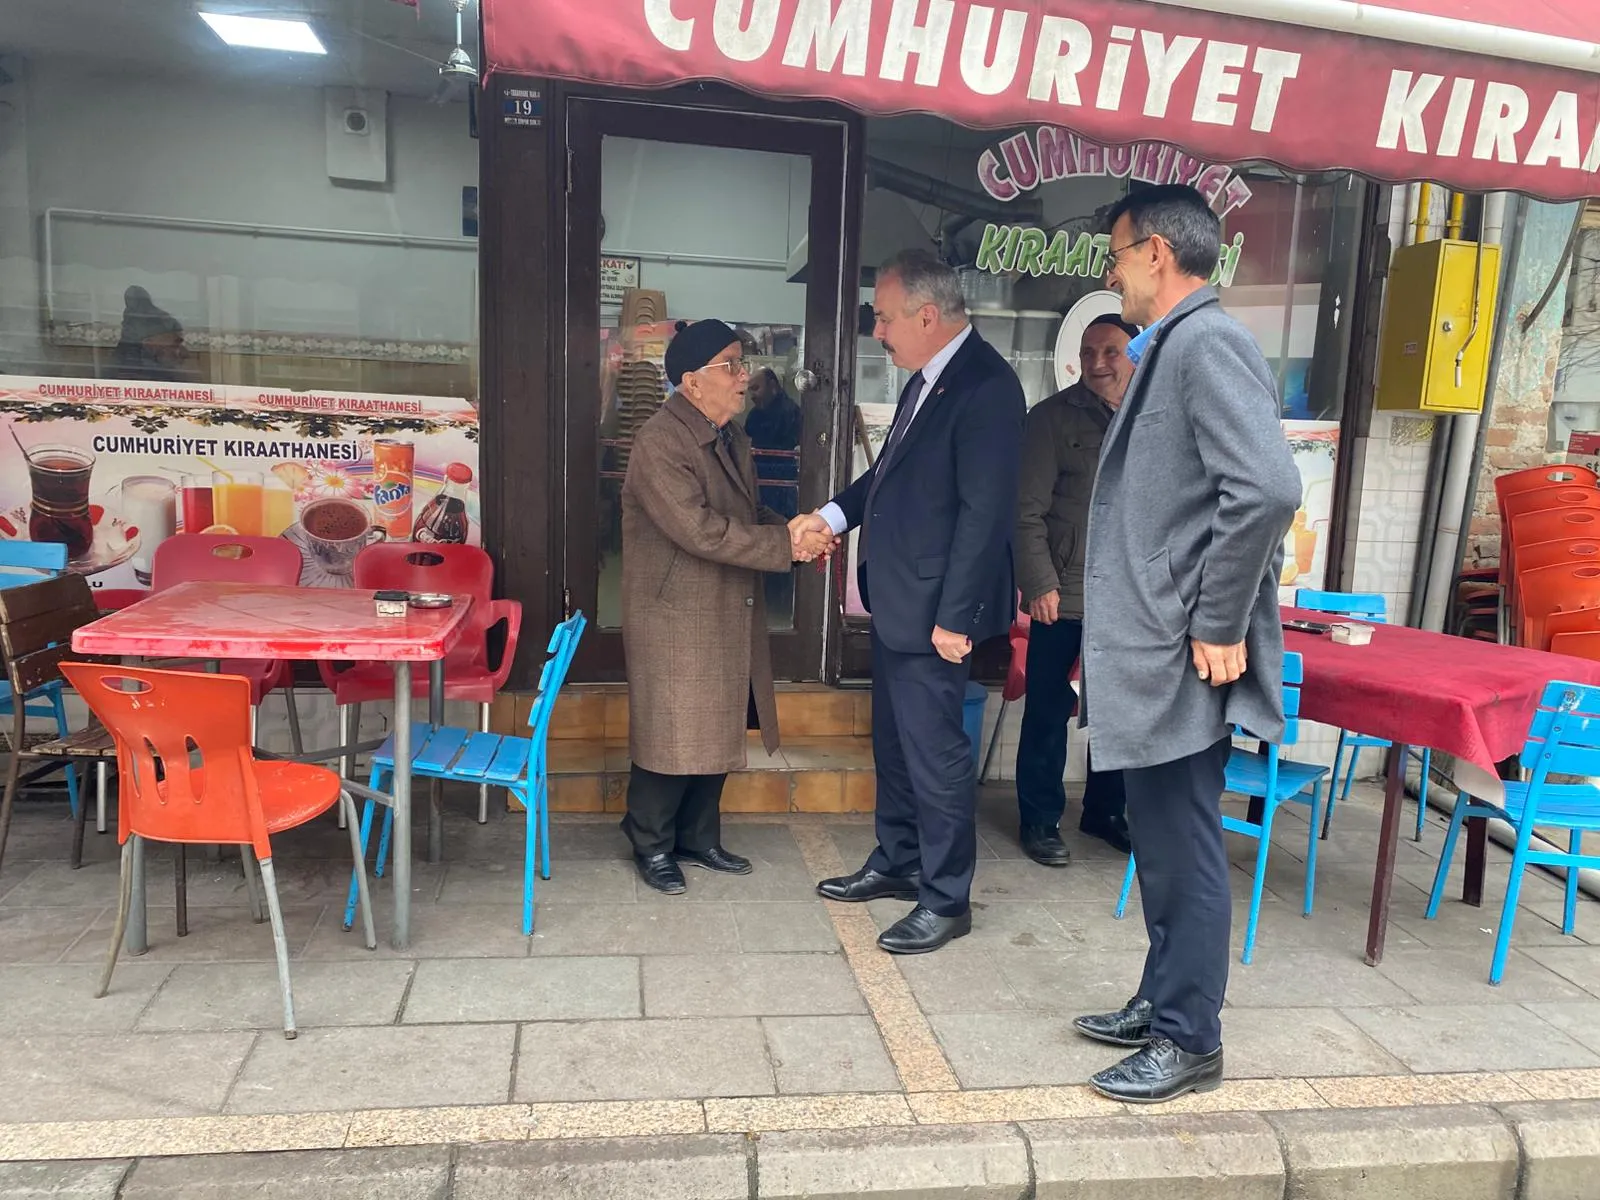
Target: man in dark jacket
[
  {"x": 1182, "y": 634},
  {"x": 1060, "y": 451},
  {"x": 936, "y": 511}
]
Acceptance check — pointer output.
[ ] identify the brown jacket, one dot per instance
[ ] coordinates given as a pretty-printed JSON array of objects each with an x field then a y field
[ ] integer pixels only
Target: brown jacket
[
  {"x": 1060, "y": 452},
  {"x": 694, "y": 623}
]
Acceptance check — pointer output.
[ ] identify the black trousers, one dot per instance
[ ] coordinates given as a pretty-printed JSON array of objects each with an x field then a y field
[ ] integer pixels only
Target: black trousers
[
  {"x": 673, "y": 812},
  {"x": 1175, "y": 823},
  {"x": 927, "y": 797},
  {"x": 1042, "y": 749}
]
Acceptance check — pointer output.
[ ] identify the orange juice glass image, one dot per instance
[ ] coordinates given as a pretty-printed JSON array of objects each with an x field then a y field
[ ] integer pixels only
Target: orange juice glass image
[
  {"x": 277, "y": 508},
  {"x": 237, "y": 501}
]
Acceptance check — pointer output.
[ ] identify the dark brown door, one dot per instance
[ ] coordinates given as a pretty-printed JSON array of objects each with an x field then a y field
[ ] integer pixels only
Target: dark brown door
[{"x": 677, "y": 212}]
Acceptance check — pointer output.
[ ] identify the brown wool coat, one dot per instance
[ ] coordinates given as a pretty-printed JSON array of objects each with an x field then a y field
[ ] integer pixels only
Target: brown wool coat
[{"x": 694, "y": 623}]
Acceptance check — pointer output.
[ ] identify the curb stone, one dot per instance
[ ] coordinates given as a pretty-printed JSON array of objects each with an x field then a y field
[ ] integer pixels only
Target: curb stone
[
  {"x": 696, "y": 1166},
  {"x": 63, "y": 1180},
  {"x": 1463, "y": 1152},
  {"x": 405, "y": 1173},
  {"x": 1560, "y": 1148},
  {"x": 1221, "y": 1156},
  {"x": 951, "y": 1162}
]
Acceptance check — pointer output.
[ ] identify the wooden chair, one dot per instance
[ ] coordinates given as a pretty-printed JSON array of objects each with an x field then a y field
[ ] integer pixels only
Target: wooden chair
[{"x": 37, "y": 621}]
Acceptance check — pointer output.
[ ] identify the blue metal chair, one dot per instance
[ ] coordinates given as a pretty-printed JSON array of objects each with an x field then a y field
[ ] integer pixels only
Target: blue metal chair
[
  {"x": 1372, "y": 608},
  {"x": 488, "y": 759},
  {"x": 1564, "y": 739},
  {"x": 1276, "y": 781},
  {"x": 22, "y": 563}
]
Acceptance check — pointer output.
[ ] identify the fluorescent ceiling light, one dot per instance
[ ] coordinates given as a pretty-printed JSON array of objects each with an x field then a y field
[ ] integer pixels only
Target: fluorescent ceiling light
[{"x": 263, "y": 33}]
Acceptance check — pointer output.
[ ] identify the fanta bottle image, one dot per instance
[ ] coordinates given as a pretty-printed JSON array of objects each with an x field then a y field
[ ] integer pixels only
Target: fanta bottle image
[{"x": 393, "y": 468}]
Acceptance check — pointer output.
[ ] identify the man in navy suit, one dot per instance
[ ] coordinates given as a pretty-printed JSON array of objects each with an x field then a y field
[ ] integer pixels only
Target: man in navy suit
[{"x": 936, "y": 512}]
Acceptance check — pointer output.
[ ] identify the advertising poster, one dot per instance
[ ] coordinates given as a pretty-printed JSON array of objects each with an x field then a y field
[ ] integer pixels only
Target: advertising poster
[{"x": 113, "y": 468}]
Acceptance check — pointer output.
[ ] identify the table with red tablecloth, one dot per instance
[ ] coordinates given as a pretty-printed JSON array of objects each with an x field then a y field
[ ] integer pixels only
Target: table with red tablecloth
[{"x": 1468, "y": 698}]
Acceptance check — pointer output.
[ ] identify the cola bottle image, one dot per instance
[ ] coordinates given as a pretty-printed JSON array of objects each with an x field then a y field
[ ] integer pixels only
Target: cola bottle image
[{"x": 445, "y": 518}]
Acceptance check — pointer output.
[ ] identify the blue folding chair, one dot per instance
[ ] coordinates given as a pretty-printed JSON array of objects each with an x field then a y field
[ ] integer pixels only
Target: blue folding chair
[
  {"x": 517, "y": 764},
  {"x": 22, "y": 563},
  {"x": 1275, "y": 780},
  {"x": 1370, "y": 607},
  {"x": 1564, "y": 739}
]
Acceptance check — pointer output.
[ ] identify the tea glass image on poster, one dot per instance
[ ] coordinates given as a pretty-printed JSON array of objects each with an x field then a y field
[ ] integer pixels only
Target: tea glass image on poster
[
  {"x": 195, "y": 496},
  {"x": 150, "y": 506},
  {"x": 337, "y": 530},
  {"x": 59, "y": 509},
  {"x": 236, "y": 502}
]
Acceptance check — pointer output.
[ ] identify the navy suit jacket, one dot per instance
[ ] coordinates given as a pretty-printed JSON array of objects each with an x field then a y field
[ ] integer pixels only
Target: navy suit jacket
[{"x": 936, "y": 547}]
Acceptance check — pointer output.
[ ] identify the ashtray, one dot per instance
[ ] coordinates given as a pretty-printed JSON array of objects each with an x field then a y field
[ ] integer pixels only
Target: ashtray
[
  {"x": 390, "y": 603},
  {"x": 1349, "y": 633},
  {"x": 430, "y": 600}
]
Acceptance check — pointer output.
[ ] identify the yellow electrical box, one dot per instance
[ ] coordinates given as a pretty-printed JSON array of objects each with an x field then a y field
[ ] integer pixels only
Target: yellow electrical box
[{"x": 1439, "y": 326}]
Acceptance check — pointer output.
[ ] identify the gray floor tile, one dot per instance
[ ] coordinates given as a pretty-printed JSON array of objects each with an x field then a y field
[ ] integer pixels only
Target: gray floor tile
[
  {"x": 1578, "y": 1019},
  {"x": 1469, "y": 1038},
  {"x": 1287, "y": 1042},
  {"x": 1309, "y": 979},
  {"x": 51, "y": 884},
  {"x": 1460, "y": 926},
  {"x": 247, "y": 995},
  {"x": 1026, "y": 880},
  {"x": 576, "y": 930},
  {"x": 1018, "y": 1049},
  {"x": 437, "y": 931},
  {"x": 785, "y": 928},
  {"x": 1071, "y": 984},
  {"x": 855, "y": 843},
  {"x": 749, "y": 985},
  {"x": 377, "y": 1067},
  {"x": 586, "y": 841},
  {"x": 1022, "y": 925},
  {"x": 78, "y": 1077},
  {"x": 642, "y": 1060},
  {"x": 482, "y": 882},
  {"x": 762, "y": 844},
  {"x": 829, "y": 1054},
  {"x": 1093, "y": 925},
  {"x": 42, "y": 935},
  {"x": 61, "y": 999},
  {"x": 524, "y": 989},
  {"x": 1578, "y": 963},
  {"x": 215, "y": 935},
  {"x": 1460, "y": 975},
  {"x": 958, "y": 983}
]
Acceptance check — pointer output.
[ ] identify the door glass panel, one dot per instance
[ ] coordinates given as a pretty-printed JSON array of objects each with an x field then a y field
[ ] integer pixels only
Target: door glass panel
[{"x": 689, "y": 232}]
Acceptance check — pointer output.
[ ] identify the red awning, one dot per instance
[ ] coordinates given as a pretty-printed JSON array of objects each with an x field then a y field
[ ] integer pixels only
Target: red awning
[{"x": 1483, "y": 95}]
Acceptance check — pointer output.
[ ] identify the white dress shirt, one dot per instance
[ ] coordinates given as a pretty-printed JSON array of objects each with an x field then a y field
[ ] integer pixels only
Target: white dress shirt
[{"x": 831, "y": 512}]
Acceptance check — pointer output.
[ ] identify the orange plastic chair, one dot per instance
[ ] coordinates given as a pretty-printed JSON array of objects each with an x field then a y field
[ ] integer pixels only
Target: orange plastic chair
[
  {"x": 1578, "y": 645},
  {"x": 1571, "y": 551},
  {"x": 1542, "y": 499},
  {"x": 1514, "y": 482},
  {"x": 1577, "y": 620},
  {"x": 187, "y": 774},
  {"x": 1550, "y": 590}
]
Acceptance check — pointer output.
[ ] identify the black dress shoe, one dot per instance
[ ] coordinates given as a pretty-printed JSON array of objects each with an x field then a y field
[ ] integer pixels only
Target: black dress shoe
[
  {"x": 1160, "y": 1072},
  {"x": 1129, "y": 1026},
  {"x": 922, "y": 930},
  {"x": 867, "y": 884},
  {"x": 1044, "y": 846},
  {"x": 1113, "y": 831},
  {"x": 715, "y": 859},
  {"x": 661, "y": 871}
]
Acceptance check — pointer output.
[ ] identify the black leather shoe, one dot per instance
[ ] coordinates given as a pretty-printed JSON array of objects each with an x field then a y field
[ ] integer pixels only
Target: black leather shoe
[
  {"x": 715, "y": 859},
  {"x": 1044, "y": 846},
  {"x": 867, "y": 884},
  {"x": 1128, "y": 1026},
  {"x": 661, "y": 871},
  {"x": 922, "y": 930},
  {"x": 1160, "y": 1072},
  {"x": 1113, "y": 831}
]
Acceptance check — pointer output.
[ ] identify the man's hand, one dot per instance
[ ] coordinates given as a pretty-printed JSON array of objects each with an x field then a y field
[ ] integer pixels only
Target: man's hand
[
  {"x": 1046, "y": 609},
  {"x": 810, "y": 536},
  {"x": 1218, "y": 665},
  {"x": 952, "y": 647}
]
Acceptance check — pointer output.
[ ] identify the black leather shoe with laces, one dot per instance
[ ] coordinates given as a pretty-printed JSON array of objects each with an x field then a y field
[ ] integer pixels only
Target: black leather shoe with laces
[
  {"x": 1045, "y": 846},
  {"x": 867, "y": 884},
  {"x": 922, "y": 930},
  {"x": 1128, "y": 1026},
  {"x": 715, "y": 859},
  {"x": 1158, "y": 1073}
]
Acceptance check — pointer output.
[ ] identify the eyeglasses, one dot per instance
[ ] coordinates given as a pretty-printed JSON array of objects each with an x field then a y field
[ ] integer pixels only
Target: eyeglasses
[
  {"x": 1116, "y": 255},
  {"x": 733, "y": 366}
]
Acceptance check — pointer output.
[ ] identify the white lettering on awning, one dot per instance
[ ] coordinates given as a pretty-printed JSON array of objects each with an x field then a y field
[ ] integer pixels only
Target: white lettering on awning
[
  {"x": 823, "y": 34},
  {"x": 986, "y": 76},
  {"x": 1403, "y": 108},
  {"x": 675, "y": 33},
  {"x": 1164, "y": 64},
  {"x": 1114, "y": 71},
  {"x": 1558, "y": 133},
  {"x": 740, "y": 41},
  {"x": 1064, "y": 49},
  {"x": 1455, "y": 117},
  {"x": 906, "y": 37},
  {"x": 1505, "y": 112},
  {"x": 1275, "y": 67},
  {"x": 1219, "y": 79}
]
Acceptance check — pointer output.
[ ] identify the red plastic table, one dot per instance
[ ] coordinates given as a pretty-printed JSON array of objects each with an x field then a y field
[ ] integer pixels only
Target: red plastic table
[
  {"x": 1467, "y": 698},
  {"x": 243, "y": 620}
]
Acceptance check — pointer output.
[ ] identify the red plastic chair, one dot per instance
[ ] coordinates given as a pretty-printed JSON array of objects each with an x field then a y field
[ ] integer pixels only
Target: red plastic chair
[
  {"x": 1551, "y": 590},
  {"x": 236, "y": 558},
  {"x": 441, "y": 567},
  {"x": 188, "y": 775},
  {"x": 1016, "y": 684},
  {"x": 110, "y": 600}
]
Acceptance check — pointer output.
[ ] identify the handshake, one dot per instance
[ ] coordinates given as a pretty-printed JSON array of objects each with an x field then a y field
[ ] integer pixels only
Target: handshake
[{"x": 811, "y": 537}]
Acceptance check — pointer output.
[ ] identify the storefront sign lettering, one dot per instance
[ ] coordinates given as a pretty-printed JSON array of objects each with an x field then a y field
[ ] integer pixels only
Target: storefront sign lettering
[
  {"x": 1026, "y": 160},
  {"x": 1029, "y": 251},
  {"x": 1503, "y": 112},
  {"x": 617, "y": 275}
]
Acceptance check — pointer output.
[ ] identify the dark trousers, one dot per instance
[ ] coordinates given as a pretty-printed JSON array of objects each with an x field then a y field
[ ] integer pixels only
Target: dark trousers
[
  {"x": 1175, "y": 822},
  {"x": 1042, "y": 751},
  {"x": 673, "y": 812},
  {"x": 927, "y": 797}
]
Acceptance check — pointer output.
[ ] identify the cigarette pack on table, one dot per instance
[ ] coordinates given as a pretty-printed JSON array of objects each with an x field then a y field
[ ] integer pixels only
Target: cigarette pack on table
[{"x": 1350, "y": 633}]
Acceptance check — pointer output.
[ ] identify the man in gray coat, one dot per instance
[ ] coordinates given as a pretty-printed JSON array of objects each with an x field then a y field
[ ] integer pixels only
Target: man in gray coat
[{"x": 1182, "y": 637}]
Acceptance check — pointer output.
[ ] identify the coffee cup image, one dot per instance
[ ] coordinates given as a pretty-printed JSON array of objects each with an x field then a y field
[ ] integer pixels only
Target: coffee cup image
[{"x": 337, "y": 530}]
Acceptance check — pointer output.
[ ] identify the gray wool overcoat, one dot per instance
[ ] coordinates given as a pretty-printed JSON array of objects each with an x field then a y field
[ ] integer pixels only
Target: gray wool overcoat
[
  {"x": 1195, "y": 492},
  {"x": 694, "y": 621}
]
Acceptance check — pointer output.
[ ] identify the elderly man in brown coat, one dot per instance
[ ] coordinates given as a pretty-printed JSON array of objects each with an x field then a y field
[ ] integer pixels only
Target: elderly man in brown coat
[{"x": 694, "y": 544}]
